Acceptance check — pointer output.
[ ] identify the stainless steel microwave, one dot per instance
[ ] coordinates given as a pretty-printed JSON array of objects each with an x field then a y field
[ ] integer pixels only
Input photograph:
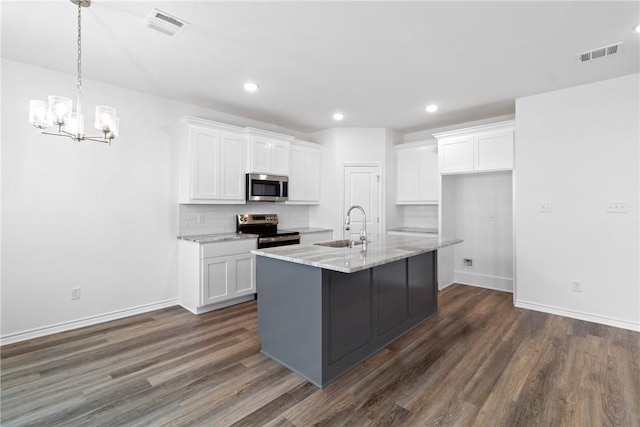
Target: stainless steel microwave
[{"x": 267, "y": 188}]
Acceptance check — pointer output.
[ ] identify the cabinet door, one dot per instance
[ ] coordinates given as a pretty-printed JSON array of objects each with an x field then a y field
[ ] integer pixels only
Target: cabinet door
[
  {"x": 456, "y": 155},
  {"x": 350, "y": 312},
  {"x": 312, "y": 175},
  {"x": 232, "y": 166},
  {"x": 297, "y": 174},
  {"x": 422, "y": 284},
  {"x": 428, "y": 174},
  {"x": 245, "y": 278},
  {"x": 217, "y": 275},
  {"x": 407, "y": 173},
  {"x": 390, "y": 282},
  {"x": 261, "y": 154},
  {"x": 494, "y": 151},
  {"x": 205, "y": 150},
  {"x": 280, "y": 158}
]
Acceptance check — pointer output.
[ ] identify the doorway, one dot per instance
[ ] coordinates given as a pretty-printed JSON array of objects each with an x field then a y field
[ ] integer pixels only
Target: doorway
[{"x": 361, "y": 186}]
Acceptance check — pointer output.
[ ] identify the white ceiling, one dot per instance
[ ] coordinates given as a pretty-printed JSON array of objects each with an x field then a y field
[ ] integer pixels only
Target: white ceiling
[{"x": 380, "y": 63}]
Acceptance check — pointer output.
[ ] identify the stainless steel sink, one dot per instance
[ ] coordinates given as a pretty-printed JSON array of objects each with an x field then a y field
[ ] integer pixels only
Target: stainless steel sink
[{"x": 340, "y": 243}]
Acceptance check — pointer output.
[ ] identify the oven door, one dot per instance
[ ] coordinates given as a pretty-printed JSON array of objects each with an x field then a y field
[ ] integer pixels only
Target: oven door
[
  {"x": 273, "y": 241},
  {"x": 266, "y": 188}
]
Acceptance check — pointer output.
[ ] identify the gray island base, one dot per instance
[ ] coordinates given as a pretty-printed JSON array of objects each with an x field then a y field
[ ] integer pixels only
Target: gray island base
[{"x": 320, "y": 322}]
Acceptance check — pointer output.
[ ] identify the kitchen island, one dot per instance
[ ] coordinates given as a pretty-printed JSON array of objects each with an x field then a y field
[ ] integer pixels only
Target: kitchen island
[{"x": 322, "y": 310}]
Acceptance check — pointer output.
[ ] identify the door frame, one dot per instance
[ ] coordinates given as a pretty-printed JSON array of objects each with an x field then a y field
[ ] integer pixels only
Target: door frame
[{"x": 381, "y": 205}]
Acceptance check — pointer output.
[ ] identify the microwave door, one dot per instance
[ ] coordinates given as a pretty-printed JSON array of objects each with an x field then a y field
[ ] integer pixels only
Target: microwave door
[{"x": 264, "y": 190}]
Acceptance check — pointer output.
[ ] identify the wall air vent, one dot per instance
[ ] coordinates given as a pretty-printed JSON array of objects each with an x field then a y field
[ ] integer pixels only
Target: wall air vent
[
  {"x": 600, "y": 52},
  {"x": 165, "y": 23}
]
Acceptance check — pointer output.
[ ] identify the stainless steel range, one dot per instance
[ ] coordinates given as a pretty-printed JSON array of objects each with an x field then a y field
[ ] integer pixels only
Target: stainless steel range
[{"x": 266, "y": 227}]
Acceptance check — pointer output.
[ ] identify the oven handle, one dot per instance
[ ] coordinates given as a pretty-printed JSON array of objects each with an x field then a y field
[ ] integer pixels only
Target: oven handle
[{"x": 279, "y": 239}]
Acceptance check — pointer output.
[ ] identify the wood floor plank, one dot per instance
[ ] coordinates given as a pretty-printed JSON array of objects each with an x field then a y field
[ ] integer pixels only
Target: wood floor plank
[{"x": 478, "y": 362}]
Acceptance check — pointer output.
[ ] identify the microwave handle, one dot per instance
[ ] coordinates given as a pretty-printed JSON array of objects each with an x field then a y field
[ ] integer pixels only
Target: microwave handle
[{"x": 284, "y": 189}]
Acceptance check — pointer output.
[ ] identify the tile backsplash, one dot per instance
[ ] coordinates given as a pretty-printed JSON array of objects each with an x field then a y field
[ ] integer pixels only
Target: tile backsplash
[
  {"x": 418, "y": 216},
  {"x": 222, "y": 218}
]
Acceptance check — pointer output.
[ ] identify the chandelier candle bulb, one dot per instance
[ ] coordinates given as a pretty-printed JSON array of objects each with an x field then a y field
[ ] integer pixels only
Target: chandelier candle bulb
[
  {"x": 39, "y": 114},
  {"x": 105, "y": 117},
  {"x": 59, "y": 109},
  {"x": 75, "y": 125},
  {"x": 113, "y": 130}
]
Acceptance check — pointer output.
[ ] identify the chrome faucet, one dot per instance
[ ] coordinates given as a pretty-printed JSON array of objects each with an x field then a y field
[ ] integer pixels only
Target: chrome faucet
[{"x": 363, "y": 232}]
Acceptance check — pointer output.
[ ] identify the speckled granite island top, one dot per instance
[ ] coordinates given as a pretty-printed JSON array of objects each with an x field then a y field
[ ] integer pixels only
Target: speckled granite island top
[{"x": 381, "y": 250}]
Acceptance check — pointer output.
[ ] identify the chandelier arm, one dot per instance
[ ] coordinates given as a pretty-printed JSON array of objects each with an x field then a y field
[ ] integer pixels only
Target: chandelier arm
[
  {"x": 61, "y": 132},
  {"x": 96, "y": 139}
]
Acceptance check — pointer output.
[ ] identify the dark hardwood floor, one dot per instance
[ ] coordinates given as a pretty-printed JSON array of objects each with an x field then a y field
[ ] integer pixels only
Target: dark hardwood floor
[{"x": 478, "y": 362}]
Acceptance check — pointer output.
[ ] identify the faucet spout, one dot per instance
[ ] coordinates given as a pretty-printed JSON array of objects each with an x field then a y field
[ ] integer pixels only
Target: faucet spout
[{"x": 363, "y": 231}]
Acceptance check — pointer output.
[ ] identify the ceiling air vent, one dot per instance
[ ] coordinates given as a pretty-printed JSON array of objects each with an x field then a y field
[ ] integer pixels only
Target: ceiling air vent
[
  {"x": 600, "y": 52},
  {"x": 165, "y": 23}
]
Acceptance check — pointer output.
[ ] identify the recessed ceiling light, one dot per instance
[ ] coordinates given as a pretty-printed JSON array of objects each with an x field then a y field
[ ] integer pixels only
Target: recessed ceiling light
[
  {"x": 338, "y": 116},
  {"x": 251, "y": 86},
  {"x": 637, "y": 28},
  {"x": 431, "y": 108}
]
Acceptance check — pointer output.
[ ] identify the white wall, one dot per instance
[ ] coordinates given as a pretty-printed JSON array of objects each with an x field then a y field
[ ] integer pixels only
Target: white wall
[
  {"x": 481, "y": 213},
  {"x": 87, "y": 215},
  {"x": 356, "y": 146},
  {"x": 577, "y": 149}
]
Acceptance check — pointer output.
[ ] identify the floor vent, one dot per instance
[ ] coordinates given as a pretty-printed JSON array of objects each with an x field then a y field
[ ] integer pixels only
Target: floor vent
[
  {"x": 165, "y": 23},
  {"x": 600, "y": 52}
]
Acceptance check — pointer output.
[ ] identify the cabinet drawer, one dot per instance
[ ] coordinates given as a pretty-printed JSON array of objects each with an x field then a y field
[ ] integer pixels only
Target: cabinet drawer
[{"x": 231, "y": 247}]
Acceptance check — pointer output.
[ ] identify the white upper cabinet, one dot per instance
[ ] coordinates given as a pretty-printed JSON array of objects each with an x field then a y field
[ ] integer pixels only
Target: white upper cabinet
[
  {"x": 417, "y": 173},
  {"x": 477, "y": 149},
  {"x": 268, "y": 152},
  {"x": 211, "y": 161},
  {"x": 304, "y": 173}
]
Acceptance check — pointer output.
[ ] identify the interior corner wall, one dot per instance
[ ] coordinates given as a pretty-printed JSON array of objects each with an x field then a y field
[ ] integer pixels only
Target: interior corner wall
[{"x": 578, "y": 149}]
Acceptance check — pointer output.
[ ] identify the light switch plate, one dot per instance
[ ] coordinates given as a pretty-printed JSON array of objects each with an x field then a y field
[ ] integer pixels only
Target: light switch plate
[
  {"x": 546, "y": 207},
  {"x": 617, "y": 207}
]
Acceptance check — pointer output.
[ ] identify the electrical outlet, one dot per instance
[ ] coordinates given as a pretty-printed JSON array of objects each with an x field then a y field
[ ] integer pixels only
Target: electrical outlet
[
  {"x": 75, "y": 293},
  {"x": 617, "y": 207},
  {"x": 492, "y": 218},
  {"x": 200, "y": 218},
  {"x": 468, "y": 262},
  {"x": 546, "y": 207},
  {"x": 576, "y": 286}
]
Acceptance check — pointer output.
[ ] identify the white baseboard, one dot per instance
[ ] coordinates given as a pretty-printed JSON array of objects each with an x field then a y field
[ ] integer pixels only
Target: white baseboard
[
  {"x": 603, "y": 320},
  {"x": 87, "y": 321},
  {"x": 484, "y": 281},
  {"x": 217, "y": 306},
  {"x": 446, "y": 285}
]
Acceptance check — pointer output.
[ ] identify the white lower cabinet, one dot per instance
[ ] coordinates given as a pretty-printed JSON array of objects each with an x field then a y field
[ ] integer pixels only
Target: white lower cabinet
[
  {"x": 216, "y": 275},
  {"x": 311, "y": 238},
  {"x": 227, "y": 277}
]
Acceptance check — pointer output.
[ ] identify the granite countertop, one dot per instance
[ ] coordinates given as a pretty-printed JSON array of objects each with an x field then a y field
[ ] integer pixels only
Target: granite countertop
[
  {"x": 310, "y": 230},
  {"x": 380, "y": 251},
  {"x": 414, "y": 230},
  {"x": 221, "y": 237}
]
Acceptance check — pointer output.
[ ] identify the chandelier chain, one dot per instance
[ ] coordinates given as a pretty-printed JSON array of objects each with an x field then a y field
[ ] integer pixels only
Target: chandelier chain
[{"x": 79, "y": 45}]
